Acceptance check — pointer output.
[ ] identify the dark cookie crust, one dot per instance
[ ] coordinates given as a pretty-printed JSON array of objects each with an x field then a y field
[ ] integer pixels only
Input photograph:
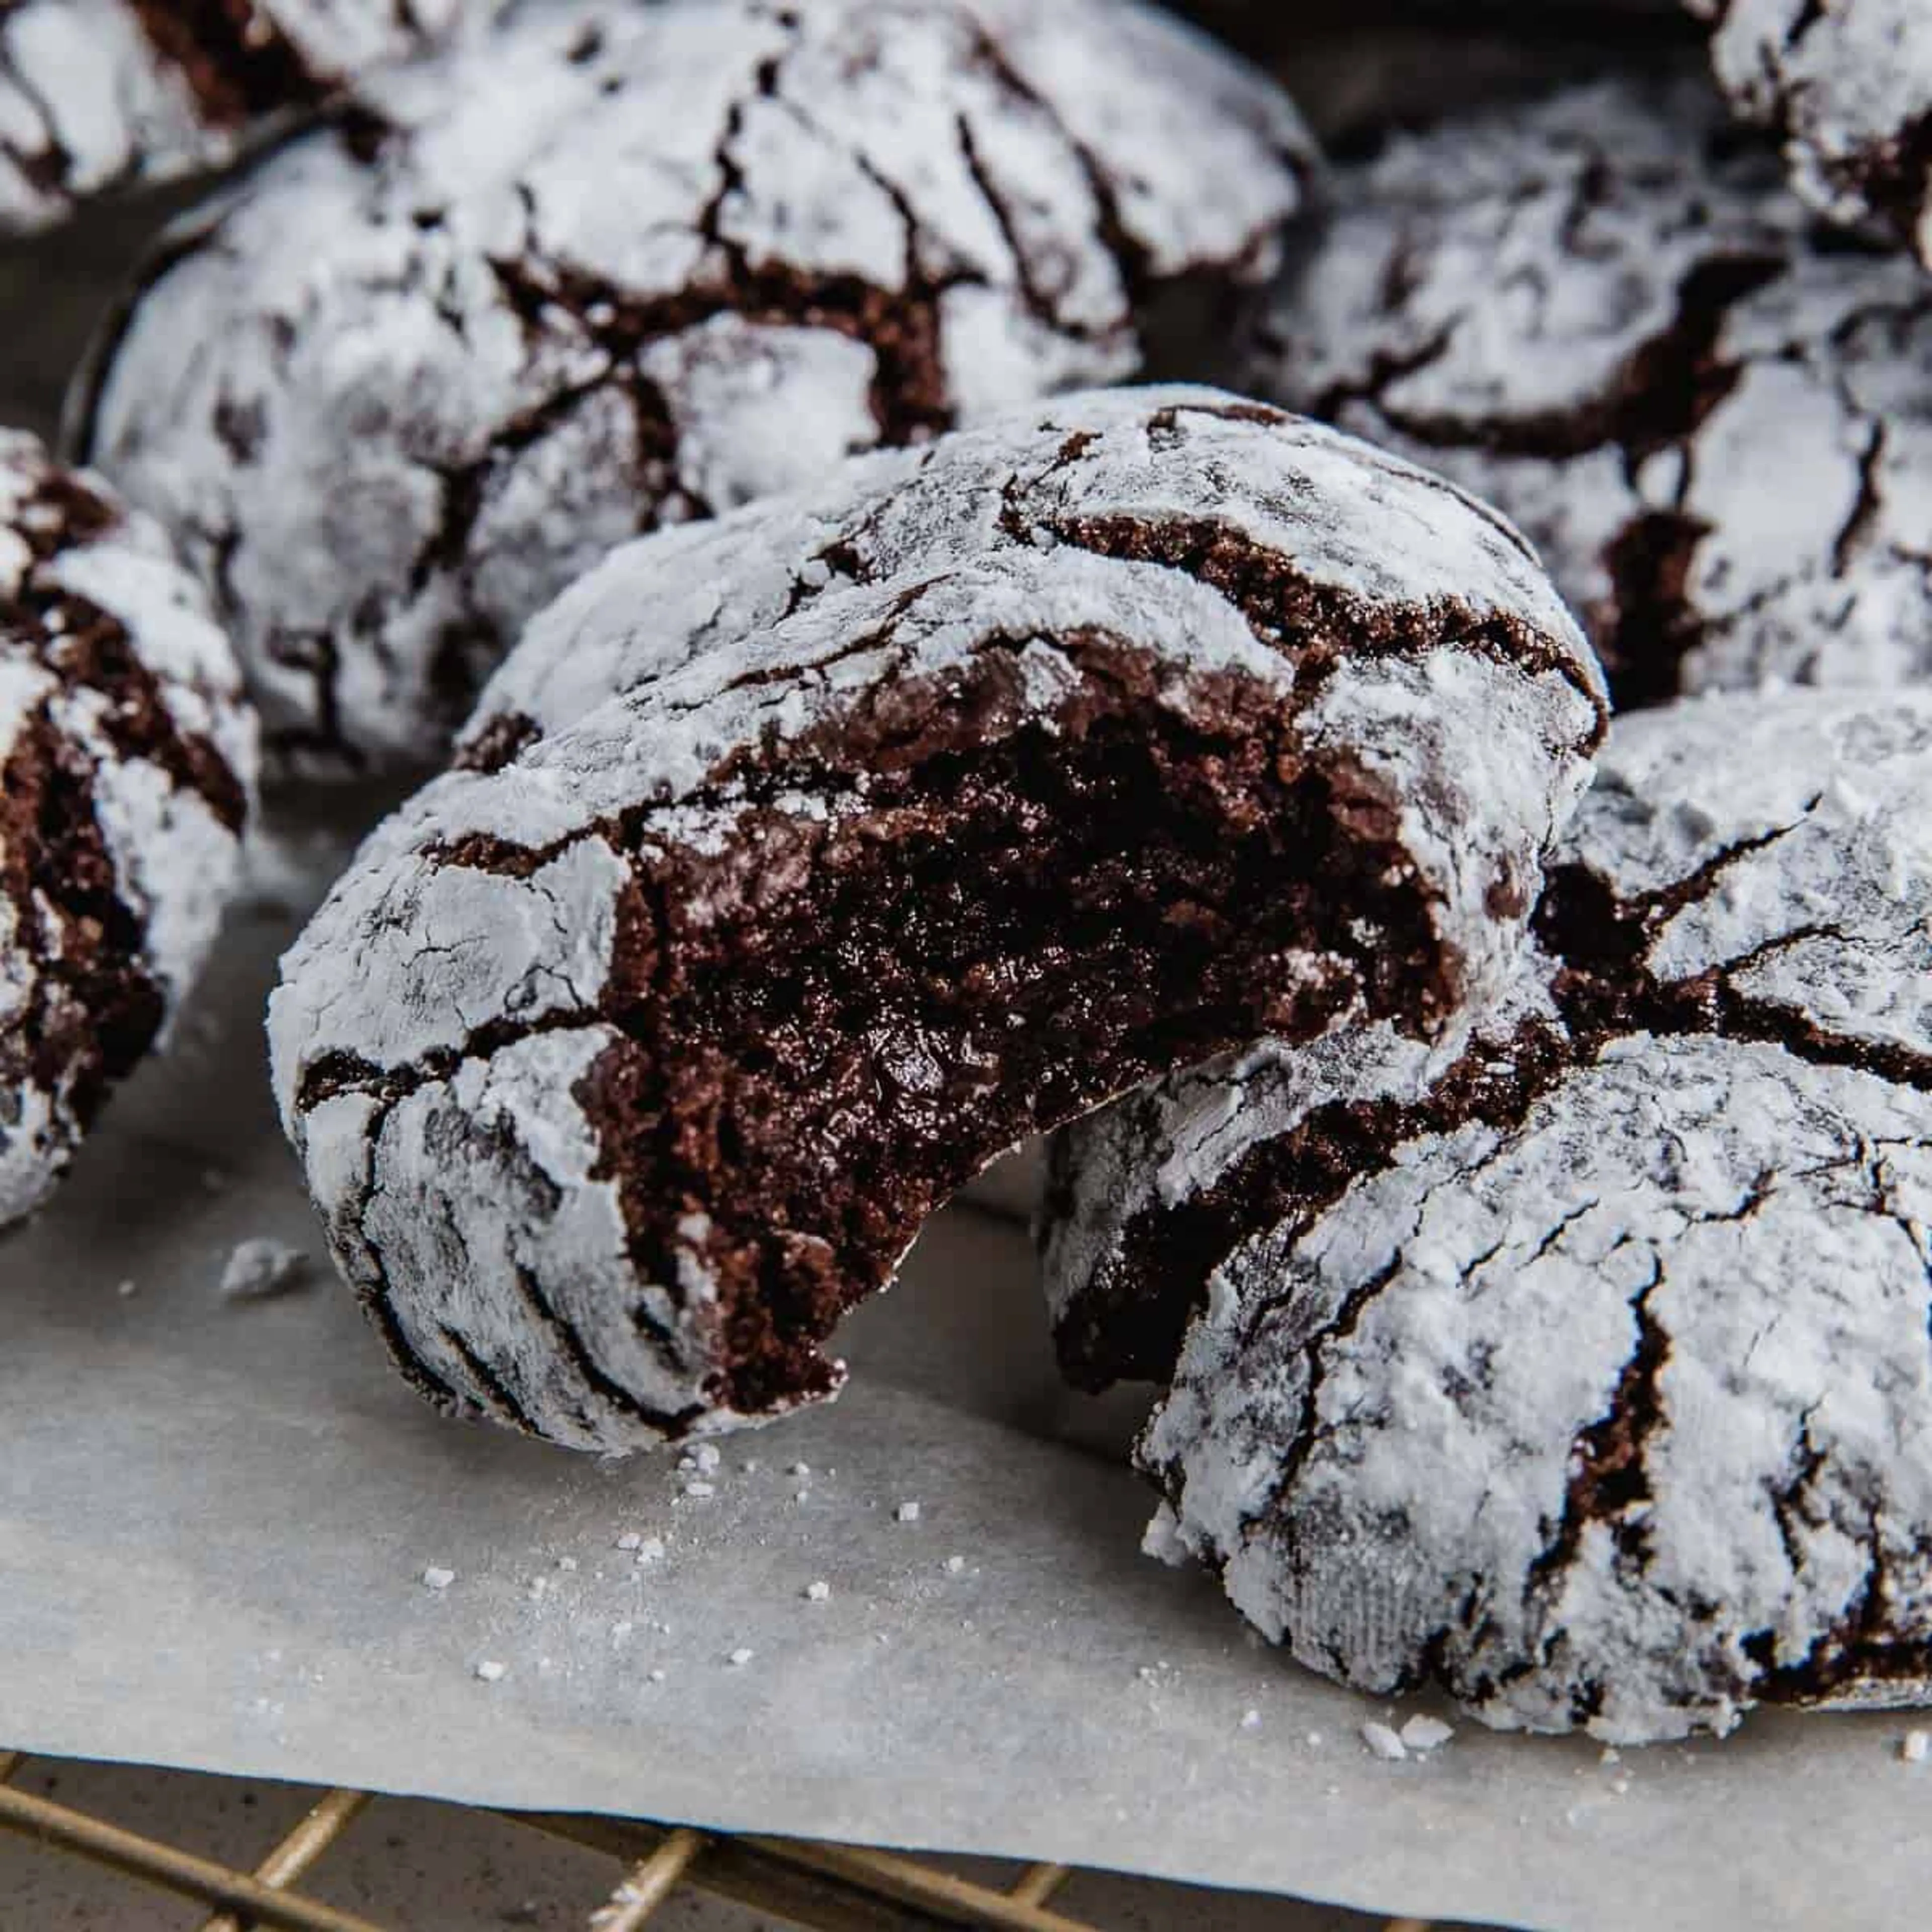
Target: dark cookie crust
[
  {"x": 711, "y": 994},
  {"x": 237, "y": 59},
  {"x": 444, "y": 387},
  {"x": 124, "y": 786}
]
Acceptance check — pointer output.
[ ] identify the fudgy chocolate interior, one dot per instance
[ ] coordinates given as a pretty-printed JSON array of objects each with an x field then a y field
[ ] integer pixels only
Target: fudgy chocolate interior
[
  {"x": 1127, "y": 1323},
  {"x": 834, "y": 1023}
]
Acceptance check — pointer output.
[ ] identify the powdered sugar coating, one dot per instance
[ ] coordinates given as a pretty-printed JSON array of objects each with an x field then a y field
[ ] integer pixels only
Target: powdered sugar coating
[
  {"x": 615, "y": 267},
  {"x": 445, "y": 1032},
  {"x": 1175, "y": 1156},
  {"x": 126, "y": 759},
  {"x": 1607, "y": 1403},
  {"x": 1078, "y": 475},
  {"x": 1604, "y": 313},
  {"x": 1848, "y": 88},
  {"x": 96, "y": 94}
]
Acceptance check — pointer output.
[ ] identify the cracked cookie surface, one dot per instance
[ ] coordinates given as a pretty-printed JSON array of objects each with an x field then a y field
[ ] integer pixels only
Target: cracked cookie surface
[
  {"x": 1598, "y": 1391},
  {"x": 630, "y": 1055},
  {"x": 1847, "y": 88},
  {"x": 1604, "y": 313},
  {"x": 620, "y": 267},
  {"x": 99, "y": 94},
  {"x": 126, "y": 760}
]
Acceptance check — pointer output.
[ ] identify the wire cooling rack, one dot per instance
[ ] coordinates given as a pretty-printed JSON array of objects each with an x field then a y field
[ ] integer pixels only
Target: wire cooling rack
[{"x": 827, "y": 1888}]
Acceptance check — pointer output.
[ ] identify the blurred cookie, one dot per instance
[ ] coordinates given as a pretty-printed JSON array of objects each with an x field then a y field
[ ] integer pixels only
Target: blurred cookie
[
  {"x": 1604, "y": 313},
  {"x": 1596, "y": 1390},
  {"x": 620, "y": 266},
  {"x": 98, "y": 94},
  {"x": 126, "y": 761},
  {"x": 937, "y": 806},
  {"x": 1847, "y": 87}
]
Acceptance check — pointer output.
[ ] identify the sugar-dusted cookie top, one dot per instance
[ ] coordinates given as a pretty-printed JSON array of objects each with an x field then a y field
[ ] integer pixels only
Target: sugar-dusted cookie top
[
  {"x": 126, "y": 759},
  {"x": 1604, "y": 312},
  {"x": 97, "y": 95},
  {"x": 614, "y": 267},
  {"x": 1847, "y": 87},
  {"x": 1598, "y": 1391}
]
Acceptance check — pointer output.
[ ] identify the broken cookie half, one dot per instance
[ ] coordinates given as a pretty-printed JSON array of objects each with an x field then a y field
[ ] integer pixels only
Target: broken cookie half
[
  {"x": 1054, "y": 757},
  {"x": 1594, "y": 1385}
]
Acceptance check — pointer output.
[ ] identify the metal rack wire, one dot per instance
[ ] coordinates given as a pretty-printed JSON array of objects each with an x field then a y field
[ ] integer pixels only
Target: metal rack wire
[
  {"x": 830, "y": 1888},
  {"x": 827, "y": 1888}
]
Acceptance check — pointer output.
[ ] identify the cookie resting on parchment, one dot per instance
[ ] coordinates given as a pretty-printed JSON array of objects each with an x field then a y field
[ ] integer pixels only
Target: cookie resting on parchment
[
  {"x": 1846, "y": 85},
  {"x": 1604, "y": 312},
  {"x": 618, "y": 266},
  {"x": 1597, "y": 1389},
  {"x": 623, "y": 1064},
  {"x": 98, "y": 94},
  {"x": 126, "y": 762}
]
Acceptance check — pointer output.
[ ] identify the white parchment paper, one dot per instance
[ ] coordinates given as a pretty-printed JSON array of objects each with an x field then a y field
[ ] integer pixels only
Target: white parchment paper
[{"x": 215, "y": 1519}]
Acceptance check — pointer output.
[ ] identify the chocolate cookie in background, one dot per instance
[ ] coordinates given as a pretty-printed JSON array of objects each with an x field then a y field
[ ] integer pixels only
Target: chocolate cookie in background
[
  {"x": 1594, "y": 1387},
  {"x": 96, "y": 95},
  {"x": 1604, "y": 312},
  {"x": 1847, "y": 89},
  {"x": 621, "y": 266},
  {"x": 127, "y": 761},
  {"x": 937, "y": 804}
]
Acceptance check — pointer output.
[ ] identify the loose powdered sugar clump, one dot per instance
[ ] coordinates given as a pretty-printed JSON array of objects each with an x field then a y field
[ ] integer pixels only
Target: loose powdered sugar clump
[
  {"x": 259, "y": 1270},
  {"x": 126, "y": 763},
  {"x": 616, "y": 266},
  {"x": 95, "y": 94},
  {"x": 1384, "y": 1743},
  {"x": 1600, "y": 1393},
  {"x": 579, "y": 1054},
  {"x": 1847, "y": 87},
  {"x": 1604, "y": 313}
]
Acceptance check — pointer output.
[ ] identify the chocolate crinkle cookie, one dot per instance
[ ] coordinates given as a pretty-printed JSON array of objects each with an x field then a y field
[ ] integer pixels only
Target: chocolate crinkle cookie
[
  {"x": 1059, "y": 755},
  {"x": 126, "y": 763},
  {"x": 619, "y": 266},
  {"x": 99, "y": 94},
  {"x": 1603, "y": 314},
  {"x": 1594, "y": 1388},
  {"x": 1846, "y": 85}
]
